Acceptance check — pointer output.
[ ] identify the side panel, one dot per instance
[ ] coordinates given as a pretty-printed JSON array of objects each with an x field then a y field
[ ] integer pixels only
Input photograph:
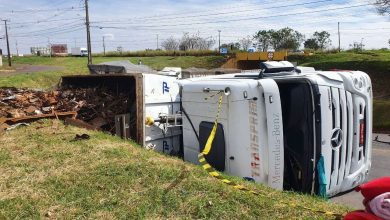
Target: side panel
[
  {"x": 275, "y": 133},
  {"x": 248, "y": 152},
  {"x": 161, "y": 97},
  {"x": 200, "y": 110},
  {"x": 247, "y": 125}
]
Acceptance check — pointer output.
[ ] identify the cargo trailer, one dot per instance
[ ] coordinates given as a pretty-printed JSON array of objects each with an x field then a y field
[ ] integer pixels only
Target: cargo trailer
[{"x": 150, "y": 96}]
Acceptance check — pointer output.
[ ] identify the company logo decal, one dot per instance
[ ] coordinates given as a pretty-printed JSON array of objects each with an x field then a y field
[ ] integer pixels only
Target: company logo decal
[
  {"x": 165, "y": 87},
  {"x": 337, "y": 138},
  {"x": 254, "y": 139}
]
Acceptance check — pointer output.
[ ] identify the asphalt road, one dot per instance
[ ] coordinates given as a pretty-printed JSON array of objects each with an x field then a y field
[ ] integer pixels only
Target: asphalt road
[
  {"x": 26, "y": 68},
  {"x": 380, "y": 168}
]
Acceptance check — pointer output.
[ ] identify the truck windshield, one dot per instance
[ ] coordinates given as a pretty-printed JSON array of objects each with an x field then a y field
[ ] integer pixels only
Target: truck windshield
[{"x": 297, "y": 110}]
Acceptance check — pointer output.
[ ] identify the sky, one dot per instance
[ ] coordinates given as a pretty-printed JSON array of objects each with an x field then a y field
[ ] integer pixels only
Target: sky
[{"x": 136, "y": 25}]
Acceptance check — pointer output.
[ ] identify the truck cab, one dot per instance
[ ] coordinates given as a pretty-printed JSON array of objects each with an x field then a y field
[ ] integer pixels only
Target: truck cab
[
  {"x": 290, "y": 128},
  {"x": 79, "y": 51}
]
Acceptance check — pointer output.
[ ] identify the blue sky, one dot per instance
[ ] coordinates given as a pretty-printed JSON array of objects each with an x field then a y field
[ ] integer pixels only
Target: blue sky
[{"x": 134, "y": 25}]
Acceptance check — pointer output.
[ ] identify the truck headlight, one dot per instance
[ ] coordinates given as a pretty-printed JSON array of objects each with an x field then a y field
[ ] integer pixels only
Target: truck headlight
[{"x": 359, "y": 82}]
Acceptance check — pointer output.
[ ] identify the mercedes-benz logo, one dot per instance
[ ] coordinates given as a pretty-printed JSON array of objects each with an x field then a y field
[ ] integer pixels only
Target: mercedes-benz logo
[{"x": 337, "y": 138}]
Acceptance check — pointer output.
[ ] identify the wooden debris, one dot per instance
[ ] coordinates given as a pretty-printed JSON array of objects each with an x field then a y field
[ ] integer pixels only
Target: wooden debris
[{"x": 96, "y": 107}]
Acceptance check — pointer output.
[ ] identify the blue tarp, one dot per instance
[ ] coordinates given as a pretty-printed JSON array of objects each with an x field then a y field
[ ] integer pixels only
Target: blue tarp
[{"x": 321, "y": 177}]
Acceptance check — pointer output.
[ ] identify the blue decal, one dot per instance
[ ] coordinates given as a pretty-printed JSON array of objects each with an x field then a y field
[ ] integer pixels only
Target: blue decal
[
  {"x": 165, "y": 87},
  {"x": 165, "y": 146},
  {"x": 249, "y": 179}
]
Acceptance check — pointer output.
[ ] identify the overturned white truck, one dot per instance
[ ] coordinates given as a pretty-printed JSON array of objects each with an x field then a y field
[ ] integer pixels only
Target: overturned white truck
[{"x": 290, "y": 128}]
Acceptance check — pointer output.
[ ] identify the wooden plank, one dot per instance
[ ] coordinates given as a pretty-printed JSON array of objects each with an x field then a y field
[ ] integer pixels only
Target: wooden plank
[{"x": 11, "y": 121}]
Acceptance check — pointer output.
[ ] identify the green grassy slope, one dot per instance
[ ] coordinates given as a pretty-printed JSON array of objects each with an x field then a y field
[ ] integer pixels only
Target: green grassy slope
[
  {"x": 382, "y": 116},
  {"x": 44, "y": 174},
  {"x": 375, "y": 63},
  {"x": 78, "y": 65}
]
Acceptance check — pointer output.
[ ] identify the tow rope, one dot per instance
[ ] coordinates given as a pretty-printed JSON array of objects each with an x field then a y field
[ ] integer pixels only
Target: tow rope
[{"x": 212, "y": 172}]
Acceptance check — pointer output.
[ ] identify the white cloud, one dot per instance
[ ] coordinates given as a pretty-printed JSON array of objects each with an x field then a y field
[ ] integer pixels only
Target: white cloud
[{"x": 135, "y": 24}]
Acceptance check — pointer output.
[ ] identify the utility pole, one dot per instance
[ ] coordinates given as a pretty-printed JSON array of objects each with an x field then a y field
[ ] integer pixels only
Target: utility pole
[
  {"x": 104, "y": 46},
  {"x": 338, "y": 28},
  {"x": 88, "y": 33},
  {"x": 157, "y": 41},
  {"x": 6, "y": 36},
  {"x": 48, "y": 41},
  {"x": 17, "y": 50},
  {"x": 219, "y": 40}
]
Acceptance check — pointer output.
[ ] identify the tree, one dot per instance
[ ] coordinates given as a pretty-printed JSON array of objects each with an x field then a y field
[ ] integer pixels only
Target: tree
[
  {"x": 263, "y": 39},
  {"x": 204, "y": 43},
  {"x": 286, "y": 39},
  {"x": 283, "y": 39},
  {"x": 170, "y": 44},
  {"x": 119, "y": 49},
  {"x": 311, "y": 43},
  {"x": 322, "y": 39},
  {"x": 357, "y": 46},
  {"x": 231, "y": 46},
  {"x": 383, "y": 7},
  {"x": 246, "y": 43},
  {"x": 195, "y": 42}
]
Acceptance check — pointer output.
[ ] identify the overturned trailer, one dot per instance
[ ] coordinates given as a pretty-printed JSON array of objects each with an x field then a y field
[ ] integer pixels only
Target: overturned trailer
[{"x": 150, "y": 97}]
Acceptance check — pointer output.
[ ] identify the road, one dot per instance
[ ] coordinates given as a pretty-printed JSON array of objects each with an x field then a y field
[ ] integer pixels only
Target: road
[
  {"x": 26, "y": 68},
  {"x": 380, "y": 167}
]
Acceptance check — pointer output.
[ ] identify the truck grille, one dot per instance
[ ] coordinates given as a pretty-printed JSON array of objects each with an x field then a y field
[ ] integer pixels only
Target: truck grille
[{"x": 348, "y": 113}]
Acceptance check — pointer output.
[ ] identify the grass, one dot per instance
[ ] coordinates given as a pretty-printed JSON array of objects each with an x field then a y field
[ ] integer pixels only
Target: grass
[
  {"x": 382, "y": 115},
  {"x": 78, "y": 65},
  {"x": 44, "y": 174},
  {"x": 153, "y": 53},
  {"x": 375, "y": 63}
]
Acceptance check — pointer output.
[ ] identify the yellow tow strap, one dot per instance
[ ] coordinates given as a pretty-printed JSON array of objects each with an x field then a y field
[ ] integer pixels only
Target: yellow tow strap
[{"x": 212, "y": 172}]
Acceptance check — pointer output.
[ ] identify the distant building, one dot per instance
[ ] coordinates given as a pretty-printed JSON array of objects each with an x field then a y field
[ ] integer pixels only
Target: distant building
[
  {"x": 59, "y": 49},
  {"x": 40, "y": 51}
]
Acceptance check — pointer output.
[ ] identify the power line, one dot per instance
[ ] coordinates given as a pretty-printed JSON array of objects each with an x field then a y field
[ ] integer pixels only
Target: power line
[
  {"x": 143, "y": 18},
  {"x": 63, "y": 31},
  {"x": 67, "y": 26},
  {"x": 224, "y": 13},
  {"x": 250, "y": 18},
  {"x": 42, "y": 10},
  {"x": 55, "y": 16},
  {"x": 293, "y": 22},
  {"x": 47, "y": 21},
  {"x": 59, "y": 28}
]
